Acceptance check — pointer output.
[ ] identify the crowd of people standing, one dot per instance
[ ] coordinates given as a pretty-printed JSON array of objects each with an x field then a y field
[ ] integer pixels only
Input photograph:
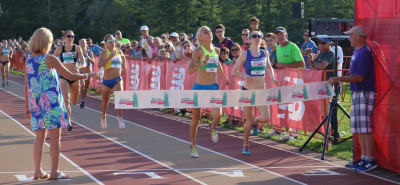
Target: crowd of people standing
[{"x": 259, "y": 53}]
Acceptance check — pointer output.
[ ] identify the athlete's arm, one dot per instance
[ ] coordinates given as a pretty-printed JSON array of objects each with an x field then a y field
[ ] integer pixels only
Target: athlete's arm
[
  {"x": 239, "y": 63},
  {"x": 91, "y": 57},
  {"x": 196, "y": 57},
  {"x": 80, "y": 55},
  {"x": 123, "y": 69}
]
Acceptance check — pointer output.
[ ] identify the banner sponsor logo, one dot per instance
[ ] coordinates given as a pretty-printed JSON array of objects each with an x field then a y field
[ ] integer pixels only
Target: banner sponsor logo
[
  {"x": 161, "y": 101},
  {"x": 125, "y": 102},
  {"x": 247, "y": 100},
  {"x": 220, "y": 101},
  {"x": 275, "y": 98}
]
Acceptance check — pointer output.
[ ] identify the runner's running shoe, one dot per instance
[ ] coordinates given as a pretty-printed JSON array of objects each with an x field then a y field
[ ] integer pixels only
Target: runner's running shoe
[
  {"x": 103, "y": 123},
  {"x": 256, "y": 130},
  {"x": 193, "y": 152},
  {"x": 70, "y": 127},
  {"x": 272, "y": 133},
  {"x": 368, "y": 166},
  {"x": 246, "y": 150},
  {"x": 121, "y": 123},
  {"x": 357, "y": 164},
  {"x": 82, "y": 105},
  {"x": 214, "y": 136}
]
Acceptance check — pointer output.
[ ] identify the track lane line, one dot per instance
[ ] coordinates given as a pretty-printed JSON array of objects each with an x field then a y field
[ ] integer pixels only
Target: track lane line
[
  {"x": 335, "y": 165},
  {"x": 62, "y": 155}
]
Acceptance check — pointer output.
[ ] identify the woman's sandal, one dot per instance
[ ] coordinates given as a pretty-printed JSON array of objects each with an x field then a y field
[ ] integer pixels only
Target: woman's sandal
[
  {"x": 44, "y": 176},
  {"x": 61, "y": 175}
]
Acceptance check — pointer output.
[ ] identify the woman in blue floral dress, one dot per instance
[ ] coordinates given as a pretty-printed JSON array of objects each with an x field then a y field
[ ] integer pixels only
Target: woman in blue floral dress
[{"x": 44, "y": 102}]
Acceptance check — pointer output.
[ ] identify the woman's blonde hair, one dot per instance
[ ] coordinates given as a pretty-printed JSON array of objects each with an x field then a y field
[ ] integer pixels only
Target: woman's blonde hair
[
  {"x": 199, "y": 33},
  {"x": 40, "y": 41}
]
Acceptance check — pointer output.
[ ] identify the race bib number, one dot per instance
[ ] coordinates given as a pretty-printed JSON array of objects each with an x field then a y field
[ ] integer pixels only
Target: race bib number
[
  {"x": 6, "y": 52},
  {"x": 258, "y": 67},
  {"x": 212, "y": 64},
  {"x": 68, "y": 57},
  {"x": 116, "y": 62}
]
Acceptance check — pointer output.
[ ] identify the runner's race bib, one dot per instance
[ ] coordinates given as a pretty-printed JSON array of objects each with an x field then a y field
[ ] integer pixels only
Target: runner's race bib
[
  {"x": 212, "y": 64},
  {"x": 116, "y": 62},
  {"x": 6, "y": 52},
  {"x": 68, "y": 57},
  {"x": 258, "y": 66}
]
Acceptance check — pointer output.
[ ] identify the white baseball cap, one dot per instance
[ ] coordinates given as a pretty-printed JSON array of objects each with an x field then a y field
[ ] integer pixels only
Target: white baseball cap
[
  {"x": 144, "y": 28},
  {"x": 174, "y": 34}
]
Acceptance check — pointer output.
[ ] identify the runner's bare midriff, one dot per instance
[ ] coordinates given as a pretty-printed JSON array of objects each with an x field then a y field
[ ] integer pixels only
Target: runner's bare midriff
[
  {"x": 111, "y": 73},
  {"x": 206, "y": 78},
  {"x": 257, "y": 82}
]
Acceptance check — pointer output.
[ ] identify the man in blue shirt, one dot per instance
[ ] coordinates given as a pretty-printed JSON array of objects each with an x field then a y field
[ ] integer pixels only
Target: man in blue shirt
[
  {"x": 308, "y": 47},
  {"x": 362, "y": 83},
  {"x": 93, "y": 47}
]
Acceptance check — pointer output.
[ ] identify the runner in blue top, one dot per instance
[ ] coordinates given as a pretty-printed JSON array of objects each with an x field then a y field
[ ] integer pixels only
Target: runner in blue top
[
  {"x": 205, "y": 63},
  {"x": 256, "y": 63},
  {"x": 44, "y": 101}
]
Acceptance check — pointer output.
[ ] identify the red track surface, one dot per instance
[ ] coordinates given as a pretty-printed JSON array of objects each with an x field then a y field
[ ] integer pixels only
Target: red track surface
[{"x": 94, "y": 153}]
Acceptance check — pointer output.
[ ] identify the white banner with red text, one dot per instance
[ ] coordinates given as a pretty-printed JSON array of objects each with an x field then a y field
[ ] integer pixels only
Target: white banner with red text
[{"x": 221, "y": 98}]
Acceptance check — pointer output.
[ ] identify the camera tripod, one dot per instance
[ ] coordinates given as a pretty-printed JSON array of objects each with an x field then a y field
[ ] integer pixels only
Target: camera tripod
[{"x": 331, "y": 118}]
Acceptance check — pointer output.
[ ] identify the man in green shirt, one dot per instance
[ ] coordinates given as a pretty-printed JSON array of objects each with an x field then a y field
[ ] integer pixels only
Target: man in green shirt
[
  {"x": 289, "y": 56},
  {"x": 288, "y": 53}
]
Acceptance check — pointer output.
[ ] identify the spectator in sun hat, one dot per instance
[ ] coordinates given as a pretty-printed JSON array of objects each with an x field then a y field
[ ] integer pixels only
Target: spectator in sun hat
[{"x": 145, "y": 34}]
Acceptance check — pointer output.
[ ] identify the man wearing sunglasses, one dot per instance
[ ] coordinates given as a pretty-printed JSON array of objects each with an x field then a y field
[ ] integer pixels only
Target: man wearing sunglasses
[
  {"x": 308, "y": 47},
  {"x": 289, "y": 56},
  {"x": 324, "y": 59},
  {"x": 94, "y": 48}
]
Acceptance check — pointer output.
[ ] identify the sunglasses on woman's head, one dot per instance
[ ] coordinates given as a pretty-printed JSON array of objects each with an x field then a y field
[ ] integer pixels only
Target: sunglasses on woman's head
[
  {"x": 70, "y": 36},
  {"x": 255, "y": 36},
  {"x": 111, "y": 41}
]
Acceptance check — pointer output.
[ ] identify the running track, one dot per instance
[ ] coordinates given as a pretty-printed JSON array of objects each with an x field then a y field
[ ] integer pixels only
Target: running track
[{"x": 153, "y": 149}]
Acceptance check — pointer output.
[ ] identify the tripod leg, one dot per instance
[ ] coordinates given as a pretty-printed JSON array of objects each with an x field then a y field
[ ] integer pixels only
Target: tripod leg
[
  {"x": 327, "y": 131},
  {"x": 313, "y": 134},
  {"x": 344, "y": 111}
]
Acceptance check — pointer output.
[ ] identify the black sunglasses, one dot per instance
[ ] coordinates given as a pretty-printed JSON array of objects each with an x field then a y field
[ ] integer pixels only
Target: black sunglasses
[
  {"x": 255, "y": 36},
  {"x": 235, "y": 49},
  {"x": 245, "y": 34},
  {"x": 322, "y": 42},
  {"x": 166, "y": 46},
  {"x": 70, "y": 36}
]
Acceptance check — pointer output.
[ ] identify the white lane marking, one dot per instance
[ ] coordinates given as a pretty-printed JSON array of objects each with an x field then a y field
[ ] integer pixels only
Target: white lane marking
[
  {"x": 110, "y": 140},
  {"x": 62, "y": 155},
  {"x": 235, "y": 173},
  {"x": 212, "y": 151},
  {"x": 322, "y": 172},
  {"x": 150, "y": 174},
  {"x": 23, "y": 178},
  {"x": 140, "y": 153},
  {"x": 323, "y": 161}
]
